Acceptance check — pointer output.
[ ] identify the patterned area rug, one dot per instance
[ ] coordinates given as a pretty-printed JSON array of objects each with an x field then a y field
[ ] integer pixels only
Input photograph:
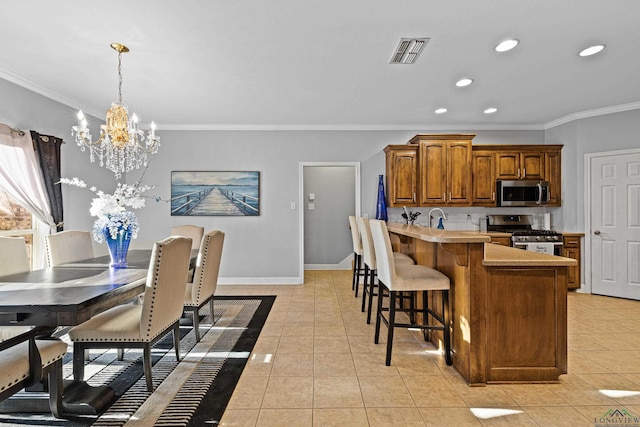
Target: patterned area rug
[{"x": 194, "y": 392}]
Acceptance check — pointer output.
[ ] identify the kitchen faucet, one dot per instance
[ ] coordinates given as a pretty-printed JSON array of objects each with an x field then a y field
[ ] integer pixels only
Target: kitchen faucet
[{"x": 431, "y": 216}]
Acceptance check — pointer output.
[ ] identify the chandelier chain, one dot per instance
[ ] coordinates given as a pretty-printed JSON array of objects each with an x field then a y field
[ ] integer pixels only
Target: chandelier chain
[{"x": 120, "y": 78}]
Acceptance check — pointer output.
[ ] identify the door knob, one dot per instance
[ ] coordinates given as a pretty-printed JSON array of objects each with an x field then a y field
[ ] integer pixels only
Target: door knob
[{"x": 597, "y": 232}]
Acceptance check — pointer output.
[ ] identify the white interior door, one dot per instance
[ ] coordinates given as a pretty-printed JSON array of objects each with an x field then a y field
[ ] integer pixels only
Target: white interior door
[{"x": 615, "y": 224}]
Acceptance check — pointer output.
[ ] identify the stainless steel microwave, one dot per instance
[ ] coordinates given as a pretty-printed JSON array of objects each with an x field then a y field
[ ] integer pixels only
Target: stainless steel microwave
[{"x": 522, "y": 193}]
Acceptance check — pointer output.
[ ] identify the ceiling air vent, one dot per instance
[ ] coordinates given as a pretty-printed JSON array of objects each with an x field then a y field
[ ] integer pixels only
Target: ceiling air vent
[{"x": 408, "y": 50}]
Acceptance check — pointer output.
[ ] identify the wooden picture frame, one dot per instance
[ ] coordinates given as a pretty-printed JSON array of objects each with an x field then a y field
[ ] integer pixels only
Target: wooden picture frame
[{"x": 215, "y": 193}]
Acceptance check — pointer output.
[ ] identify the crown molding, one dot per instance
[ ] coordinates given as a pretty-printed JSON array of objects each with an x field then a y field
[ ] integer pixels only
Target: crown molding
[
  {"x": 25, "y": 83},
  {"x": 343, "y": 127},
  {"x": 592, "y": 113}
]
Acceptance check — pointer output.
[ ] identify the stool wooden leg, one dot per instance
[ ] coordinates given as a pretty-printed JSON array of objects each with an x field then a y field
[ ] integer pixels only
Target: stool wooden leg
[
  {"x": 372, "y": 288},
  {"x": 447, "y": 332},
  {"x": 376, "y": 338},
  {"x": 365, "y": 286},
  {"x": 391, "y": 325},
  {"x": 412, "y": 307},
  {"x": 425, "y": 315},
  {"x": 355, "y": 263},
  {"x": 358, "y": 272}
]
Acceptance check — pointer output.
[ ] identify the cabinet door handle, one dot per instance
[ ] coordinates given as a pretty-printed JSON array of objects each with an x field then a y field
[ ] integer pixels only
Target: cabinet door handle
[
  {"x": 493, "y": 196},
  {"x": 518, "y": 173},
  {"x": 524, "y": 173},
  {"x": 444, "y": 197},
  {"x": 450, "y": 198}
]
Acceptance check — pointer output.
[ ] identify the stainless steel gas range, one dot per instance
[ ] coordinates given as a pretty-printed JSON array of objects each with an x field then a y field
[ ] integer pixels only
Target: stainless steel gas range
[{"x": 523, "y": 236}]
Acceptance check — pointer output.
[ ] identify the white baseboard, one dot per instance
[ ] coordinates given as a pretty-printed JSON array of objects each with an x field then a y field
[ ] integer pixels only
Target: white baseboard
[
  {"x": 260, "y": 281},
  {"x": 345, "y": 264},
  {"x": 326, "y": 267}
]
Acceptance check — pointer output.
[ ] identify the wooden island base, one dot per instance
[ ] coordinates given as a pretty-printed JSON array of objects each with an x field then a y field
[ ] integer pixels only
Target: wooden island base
[{"x": 508, "y": 306}]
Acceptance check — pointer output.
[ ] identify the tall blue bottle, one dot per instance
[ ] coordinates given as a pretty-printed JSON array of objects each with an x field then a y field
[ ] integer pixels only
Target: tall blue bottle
[{"x": 381, "y": 206}]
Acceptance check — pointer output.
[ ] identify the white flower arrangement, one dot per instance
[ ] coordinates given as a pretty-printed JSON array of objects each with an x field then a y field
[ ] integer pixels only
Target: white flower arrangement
[{"x": 112, "y": 209}]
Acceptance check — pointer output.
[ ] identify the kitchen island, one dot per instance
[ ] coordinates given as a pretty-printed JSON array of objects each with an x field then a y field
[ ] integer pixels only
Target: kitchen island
[{"x": 508, "y": 306}]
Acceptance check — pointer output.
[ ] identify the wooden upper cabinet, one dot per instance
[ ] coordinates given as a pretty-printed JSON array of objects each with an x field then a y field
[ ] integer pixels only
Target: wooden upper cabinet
[
  {"x": 402, "y": 178},
  {"x": 446, "y": 170},
  {"x": 514, "y": 165},
  {"x": 553, "y": 168},
  {"x": 483, "y": 167},
  {"x": 532, "y": 165},
  {"x": 444, "y": 164}
]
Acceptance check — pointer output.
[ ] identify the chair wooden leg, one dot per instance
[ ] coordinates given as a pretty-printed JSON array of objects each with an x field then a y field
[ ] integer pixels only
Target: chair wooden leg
[
  {"x": 213, "y": 315},
  {"x": 391, "y": 325},
  {"x": 56, "y": 387},
  {"x": 196, "y": 323},
  {"x": 146, "y": 365},
  {"x": 365, "y": 287},
  {"x": 78, "y": 362},
  {"x": 176, "y": 340}
]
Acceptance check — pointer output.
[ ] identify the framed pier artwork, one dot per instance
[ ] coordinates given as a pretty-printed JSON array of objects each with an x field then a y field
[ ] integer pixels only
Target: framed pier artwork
[{"x": 215, "y": 193}]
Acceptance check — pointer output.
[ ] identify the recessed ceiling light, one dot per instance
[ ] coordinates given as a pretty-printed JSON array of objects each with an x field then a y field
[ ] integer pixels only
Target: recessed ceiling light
[
  {"x": 507, "y": 45},
  {"x": 441, "y": 110},
  {"x": 592, "y": 50},
  {"x": 464, "y": 82},
  {"x": 490, "y": 110}
]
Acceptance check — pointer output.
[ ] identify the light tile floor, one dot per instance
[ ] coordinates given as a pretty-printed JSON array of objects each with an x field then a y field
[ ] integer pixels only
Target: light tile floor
[{"x": 315, "y": 364}]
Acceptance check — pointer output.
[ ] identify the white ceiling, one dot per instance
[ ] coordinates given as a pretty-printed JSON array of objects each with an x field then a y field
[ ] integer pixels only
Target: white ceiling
[{"x": 214, "y": 64}]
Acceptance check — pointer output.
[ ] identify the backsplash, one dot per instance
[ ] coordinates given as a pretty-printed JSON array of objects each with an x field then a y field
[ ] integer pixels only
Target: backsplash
[{"x": 468, "y": 219}]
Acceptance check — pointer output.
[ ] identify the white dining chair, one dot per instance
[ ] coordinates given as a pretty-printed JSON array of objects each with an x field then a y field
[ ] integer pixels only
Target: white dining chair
[
  {"x": 14, "y": 257},
  {"x": 193, "y": 232},
  {"x": 200, "y": 290},
  {"x": 141, "y": 325},
  {"x": 394, "y": 280},
  {"x": 68, "y": 246}
]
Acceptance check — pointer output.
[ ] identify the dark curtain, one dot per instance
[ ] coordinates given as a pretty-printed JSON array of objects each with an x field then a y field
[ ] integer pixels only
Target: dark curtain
[{"x": 47, "y": 150}]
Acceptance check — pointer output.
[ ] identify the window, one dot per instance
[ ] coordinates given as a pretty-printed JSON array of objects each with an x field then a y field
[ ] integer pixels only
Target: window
[{"x": 16, "y": 221}]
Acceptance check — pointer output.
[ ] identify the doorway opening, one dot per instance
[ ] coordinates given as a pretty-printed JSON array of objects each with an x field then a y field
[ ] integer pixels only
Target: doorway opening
[{"x": 328, "y": 193}]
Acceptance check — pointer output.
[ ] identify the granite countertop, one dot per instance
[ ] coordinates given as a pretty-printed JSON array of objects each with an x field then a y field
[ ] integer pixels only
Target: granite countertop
[
  {"x": 435, "y": 235},
  {"x": 497, "y": 234},
  {"x": 494, "y": 255},
  {"x": 503, "y": 256}
]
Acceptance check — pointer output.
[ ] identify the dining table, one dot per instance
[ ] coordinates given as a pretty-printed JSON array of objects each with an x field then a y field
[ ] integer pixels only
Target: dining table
[{"x": 64, "y": 296}]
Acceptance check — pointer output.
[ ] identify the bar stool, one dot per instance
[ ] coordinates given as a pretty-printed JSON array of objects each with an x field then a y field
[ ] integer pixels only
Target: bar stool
[
  {"x": 358, "y": 271},
  {"x": 370, "y": 266},
  {"x": 407, "y": 278}
]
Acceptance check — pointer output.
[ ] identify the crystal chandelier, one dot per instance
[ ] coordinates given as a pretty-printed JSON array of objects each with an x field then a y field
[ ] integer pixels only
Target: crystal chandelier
[{"x": 122, "y": 146}]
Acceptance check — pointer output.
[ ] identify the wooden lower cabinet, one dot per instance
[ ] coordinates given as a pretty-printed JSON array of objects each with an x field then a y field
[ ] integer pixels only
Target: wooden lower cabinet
[
  {"x": 509, "y": 324},
  {"x": 571, "y": 249},
  {"x": 530, "y": 345}
]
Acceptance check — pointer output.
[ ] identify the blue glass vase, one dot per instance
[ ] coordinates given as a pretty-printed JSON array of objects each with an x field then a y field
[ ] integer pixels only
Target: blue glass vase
[
  {"x": 118, "y": 247},
  {"x": 381, "y": 206}
]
